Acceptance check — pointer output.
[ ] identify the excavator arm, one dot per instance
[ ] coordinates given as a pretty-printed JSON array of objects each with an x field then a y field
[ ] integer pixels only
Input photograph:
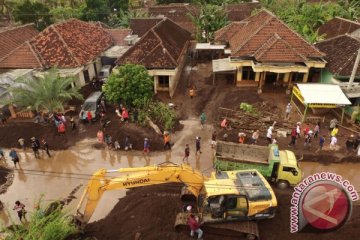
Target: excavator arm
[{"x": 136, "y": 177}]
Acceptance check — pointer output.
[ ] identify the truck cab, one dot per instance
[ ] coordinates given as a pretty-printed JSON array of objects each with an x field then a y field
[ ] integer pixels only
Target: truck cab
[{"x": 286, "y": 171}]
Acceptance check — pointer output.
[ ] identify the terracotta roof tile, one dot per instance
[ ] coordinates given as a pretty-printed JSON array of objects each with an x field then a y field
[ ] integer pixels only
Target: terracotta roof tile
[
  {"x": 118, "y": 35},
  {"x": 240, "y": 11},
  {"x": 69, "y": 44},
  {"x": 255, "y": 31},
  {"x": 341, "y": 53},
  {"x": 227, "y": 32},
  {"x": 140, "y": 26},
  {"x": 177, "y": 12},
  {"x": 11, "y": 38},
  {"x": 338, "y": 26},
  {"x": 157, "y": 48},
  {"x": 277, "y": 50},
  {"x": 22, "y": 57}
]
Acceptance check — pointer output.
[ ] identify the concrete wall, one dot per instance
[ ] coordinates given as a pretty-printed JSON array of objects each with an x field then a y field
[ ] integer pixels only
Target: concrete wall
[{"x": 79, "y": 79}]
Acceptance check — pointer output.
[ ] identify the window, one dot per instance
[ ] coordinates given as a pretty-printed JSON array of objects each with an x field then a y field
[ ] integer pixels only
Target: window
[
  {"x": 290, "y": 169},
  {"x": 297, "y": 77},
  {"x": 248, "y": 73},
  {"x": 163, "y": 81}
]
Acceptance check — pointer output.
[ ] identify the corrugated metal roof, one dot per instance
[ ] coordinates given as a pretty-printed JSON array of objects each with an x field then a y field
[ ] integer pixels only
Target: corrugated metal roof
[
  {"x": 323, "y": 94},
  {"x": 222, "y": 65}
]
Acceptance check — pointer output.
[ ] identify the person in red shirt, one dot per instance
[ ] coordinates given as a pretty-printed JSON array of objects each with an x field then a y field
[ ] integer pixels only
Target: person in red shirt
[
  {"x": 306, "y": 130},
  {"x": 194, "y": 226},
  {"x": 125, "y": 114},
  {"x": 293, "y": 137},
  {"x": 89, "y": 116}
]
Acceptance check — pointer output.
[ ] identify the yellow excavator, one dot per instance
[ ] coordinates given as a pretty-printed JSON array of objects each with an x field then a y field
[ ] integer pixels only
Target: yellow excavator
[{"x": 227, "y": 202}]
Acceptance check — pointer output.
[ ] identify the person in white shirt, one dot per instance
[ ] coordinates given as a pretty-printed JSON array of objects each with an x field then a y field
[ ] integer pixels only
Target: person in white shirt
[
  {"x": 269, "y": 134},
  {"x": 333, "y": 143}
]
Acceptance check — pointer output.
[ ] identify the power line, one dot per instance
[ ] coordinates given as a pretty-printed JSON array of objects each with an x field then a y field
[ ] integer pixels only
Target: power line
[{"x": 84, "y": 177}]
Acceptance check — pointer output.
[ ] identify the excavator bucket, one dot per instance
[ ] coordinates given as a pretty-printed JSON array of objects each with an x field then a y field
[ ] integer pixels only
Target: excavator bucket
[{"x": 243, "y": 229}]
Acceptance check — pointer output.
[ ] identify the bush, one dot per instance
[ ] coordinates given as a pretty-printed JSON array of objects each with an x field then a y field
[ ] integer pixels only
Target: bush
[
  {"x": 158, "y": 112},
  {"x": 43, "y": 225},
  {"x": 248, "y": 108}
]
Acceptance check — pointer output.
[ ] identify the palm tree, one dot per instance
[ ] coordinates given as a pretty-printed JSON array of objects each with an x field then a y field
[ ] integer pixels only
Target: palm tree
[{"x": 47, "y": 94}]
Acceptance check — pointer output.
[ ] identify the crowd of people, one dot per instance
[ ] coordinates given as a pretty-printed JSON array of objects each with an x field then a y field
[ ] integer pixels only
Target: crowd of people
[{"x": 34, "y": 144}]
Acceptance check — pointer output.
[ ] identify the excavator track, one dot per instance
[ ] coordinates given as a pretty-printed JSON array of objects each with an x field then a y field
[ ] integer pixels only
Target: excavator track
[{"x": 242, "y": 229}]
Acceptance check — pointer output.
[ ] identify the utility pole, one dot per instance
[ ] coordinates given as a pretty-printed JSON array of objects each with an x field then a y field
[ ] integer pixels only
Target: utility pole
[{"x": 356, "y": 65}]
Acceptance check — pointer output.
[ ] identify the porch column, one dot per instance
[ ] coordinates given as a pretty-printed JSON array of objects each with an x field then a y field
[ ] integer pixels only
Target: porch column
[
  {"x": 239, "y": 75},
  {"x": 257, "y": 76},
  {"x": 262, "y": 79},
  {"x": 155, "y": 83},
  {"x": 305, "y": 78}
]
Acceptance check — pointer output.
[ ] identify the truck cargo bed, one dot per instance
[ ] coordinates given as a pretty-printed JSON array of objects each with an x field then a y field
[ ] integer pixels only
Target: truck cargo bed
[{"x": 242, "y": 152}]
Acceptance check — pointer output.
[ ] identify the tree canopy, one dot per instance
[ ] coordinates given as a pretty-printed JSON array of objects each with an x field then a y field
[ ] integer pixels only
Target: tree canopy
[
  {"x": 33, "y": 12},
  {"x": 210, "y": 19},
  {"x": 48, "y": 94},
  {"x": 130, "y": 83}
]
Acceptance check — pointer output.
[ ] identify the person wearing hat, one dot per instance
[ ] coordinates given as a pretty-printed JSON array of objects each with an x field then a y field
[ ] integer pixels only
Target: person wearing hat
[
  {"x": 194, "y": 226},
  {"x": 146, "y": 146},
  {"x": 35, "y": 145}
]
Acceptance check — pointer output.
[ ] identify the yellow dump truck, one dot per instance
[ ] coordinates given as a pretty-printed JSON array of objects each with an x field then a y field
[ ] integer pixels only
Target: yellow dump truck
[{"x": 280, "y": 167}]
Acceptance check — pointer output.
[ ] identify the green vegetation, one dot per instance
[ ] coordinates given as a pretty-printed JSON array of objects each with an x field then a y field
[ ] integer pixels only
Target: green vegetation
[
  {"x": 122, "y": 18},
  {"x": 33, "y": 12},
  {"x": 306, "y": 18},
  {"x": 43, "y": 225},
  {"x": 130, "y": 83},
  {"x": 248, "y": 108},
  {"x": 46, "y": 94},
  {"x": 158, "y": 112},
  {"x": 210, "y": 19}
]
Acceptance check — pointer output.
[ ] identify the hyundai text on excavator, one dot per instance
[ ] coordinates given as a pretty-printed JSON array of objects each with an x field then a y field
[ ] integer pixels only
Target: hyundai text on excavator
[{"x": 227, "y": 201}]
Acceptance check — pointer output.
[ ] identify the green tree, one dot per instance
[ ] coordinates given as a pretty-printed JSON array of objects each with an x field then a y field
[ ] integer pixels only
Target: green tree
[
  {"x": 210, "y": 19},
  {"x": 63, "y": 13},
  {"x": 33, "y": 12},
  {"x": 131, "y": 83},
  {"x": 122, "y": 19},
  {"x": 47, "y": 94},
  {"x": 96, "y": 10}
]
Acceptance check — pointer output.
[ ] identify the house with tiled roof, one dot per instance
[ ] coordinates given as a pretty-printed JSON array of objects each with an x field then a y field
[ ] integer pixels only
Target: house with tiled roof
[
  {"x": 341, "y": 53},
  {"x": 339, "y": 26},
  {"x": 265, "y": 51},
  {"x": 177, "y": 12},
  {"x": 162, "y": 50},
  {"x": 140, "y": 26},
  {"x": 12, "y": 38},
  {"x": 73, "y": 46},
  {"x": 121, "y": 44}
]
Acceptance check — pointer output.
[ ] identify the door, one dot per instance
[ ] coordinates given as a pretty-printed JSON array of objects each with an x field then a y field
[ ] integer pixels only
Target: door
[
  {"x": 86, "y": 76},
  {"x": 274, "y": 173},
  {"x": 236, "y": 207}
]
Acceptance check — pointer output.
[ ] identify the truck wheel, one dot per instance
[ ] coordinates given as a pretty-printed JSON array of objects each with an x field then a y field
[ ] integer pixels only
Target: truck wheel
[
  {"x": 282, "y": 184},
  {"x": 250, "y": 236}
]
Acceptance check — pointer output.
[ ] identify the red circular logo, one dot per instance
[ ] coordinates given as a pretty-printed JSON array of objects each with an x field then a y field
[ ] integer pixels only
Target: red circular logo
[{"x": 326, "y": 206}]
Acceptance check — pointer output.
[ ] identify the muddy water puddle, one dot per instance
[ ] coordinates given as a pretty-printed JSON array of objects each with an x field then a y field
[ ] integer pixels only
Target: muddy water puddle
[{"x": 54, "y": 178}]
